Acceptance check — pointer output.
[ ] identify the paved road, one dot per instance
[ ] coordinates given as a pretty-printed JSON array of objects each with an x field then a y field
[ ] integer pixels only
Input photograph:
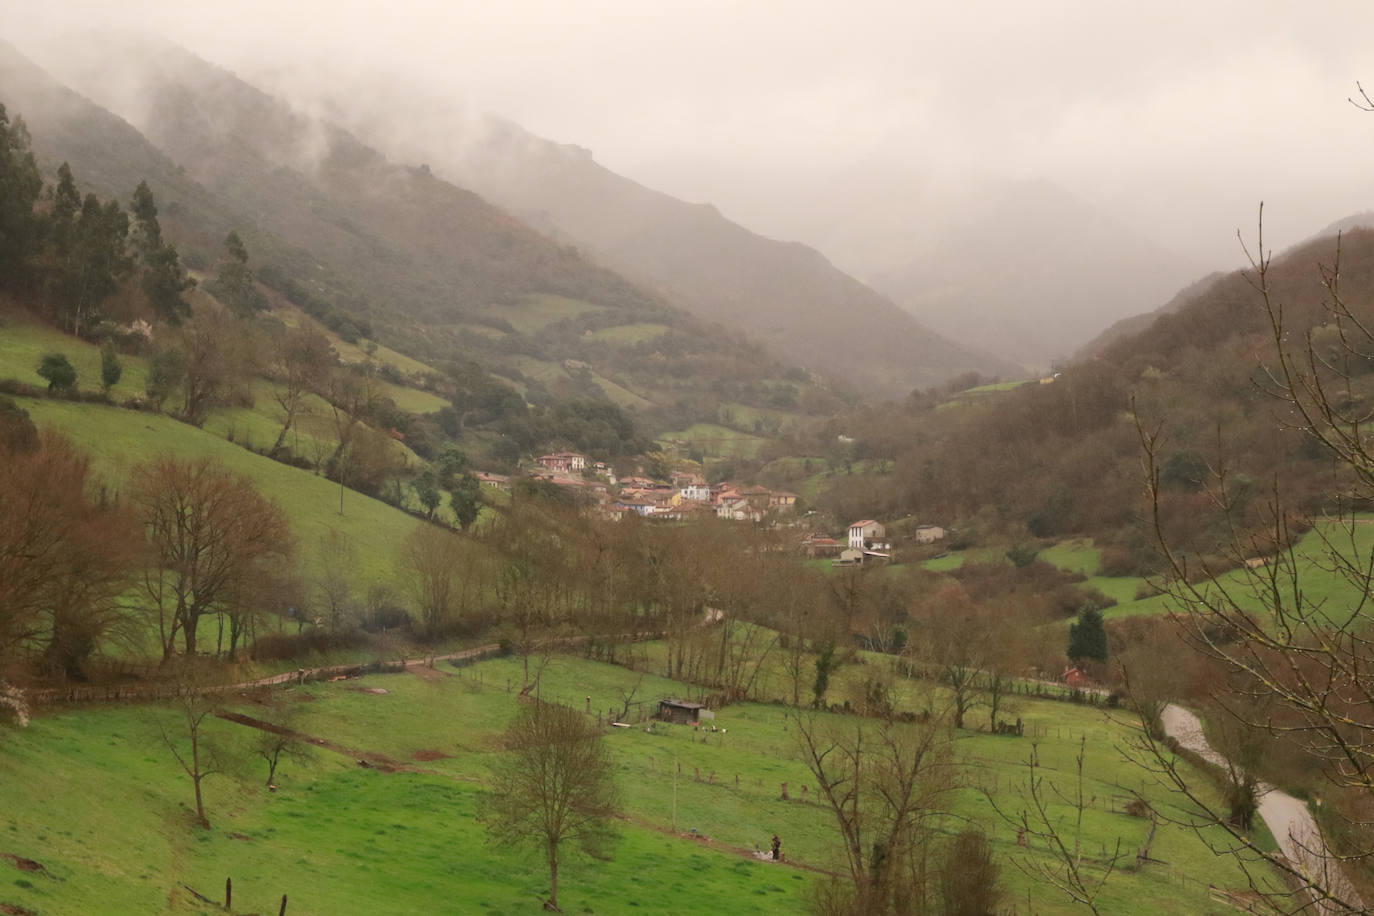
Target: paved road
[{"x": 1286, "y": 817}]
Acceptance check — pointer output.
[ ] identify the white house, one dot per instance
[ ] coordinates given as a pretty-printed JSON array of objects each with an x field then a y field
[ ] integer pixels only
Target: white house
[
  {"x": 863, "y": 533},
  {"x": 697, "y": 492}
]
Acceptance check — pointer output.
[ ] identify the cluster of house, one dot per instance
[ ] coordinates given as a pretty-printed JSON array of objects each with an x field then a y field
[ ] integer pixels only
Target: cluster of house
[
  {"x": 689, "y": 496},
  {"x": 686, "y": 495},
  {"x": 867, "y": 541}
]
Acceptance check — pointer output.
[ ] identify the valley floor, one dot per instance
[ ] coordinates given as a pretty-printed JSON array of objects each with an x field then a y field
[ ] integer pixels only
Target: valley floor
[{"x": 94, "y": 798}]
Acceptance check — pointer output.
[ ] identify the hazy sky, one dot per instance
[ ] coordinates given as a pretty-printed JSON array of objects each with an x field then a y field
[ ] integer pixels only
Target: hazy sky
[{"x": 791, "y": 116}]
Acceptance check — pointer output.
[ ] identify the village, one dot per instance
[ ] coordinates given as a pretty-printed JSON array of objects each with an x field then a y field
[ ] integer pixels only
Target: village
[{"x": 686, "y": 495}]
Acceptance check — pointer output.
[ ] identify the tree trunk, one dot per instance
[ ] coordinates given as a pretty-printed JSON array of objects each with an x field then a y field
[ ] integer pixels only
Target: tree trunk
[
  {"x": 196, "y": 777},
  {"x": 188, "y": 634},
  {"x": 553, "y": 877}
]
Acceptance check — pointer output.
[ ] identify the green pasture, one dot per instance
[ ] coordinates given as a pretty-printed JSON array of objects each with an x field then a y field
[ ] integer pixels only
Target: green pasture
[
  {"x": 535, "y": 312},
  {"x": 95, "y": 798},
  {"x": 716, "y": 441},
  {"x": 412, "y": 400},
  {"x": 24, "y": 343},
  {"x": 619, "y": 395},
  {"x": 636, "y": 332},
  {"x": 340, "y": 838},
  {"x": 118, "y": 439}
]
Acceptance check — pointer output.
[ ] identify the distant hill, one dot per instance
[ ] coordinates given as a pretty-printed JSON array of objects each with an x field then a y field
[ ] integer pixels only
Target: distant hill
[
  {"x": 442, "y": 274},
  {"x": 785, "y": 294},
  {"x": 1031, "y": 273},
  {"x": 1128, "y": 327}
]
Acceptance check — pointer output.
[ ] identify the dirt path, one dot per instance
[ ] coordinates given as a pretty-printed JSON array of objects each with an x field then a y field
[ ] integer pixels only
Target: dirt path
[
  {"x": 1287, "y": 818},
  {"x": 117, "y": 692}
]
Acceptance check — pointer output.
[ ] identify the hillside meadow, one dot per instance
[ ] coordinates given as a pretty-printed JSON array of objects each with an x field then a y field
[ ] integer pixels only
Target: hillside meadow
[{"x": 400, "y": 836}]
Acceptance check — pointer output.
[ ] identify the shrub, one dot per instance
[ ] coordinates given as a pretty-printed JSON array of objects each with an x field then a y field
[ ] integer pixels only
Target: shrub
[{"x": 58, "y": 372}]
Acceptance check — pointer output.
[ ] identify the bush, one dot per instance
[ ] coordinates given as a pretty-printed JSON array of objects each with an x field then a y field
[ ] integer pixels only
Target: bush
[
  {"x": 1117, "y": 562},
  {"x": 290, "y": 646},
  {"x": 386, "y": 617},
  {"x": 58, "y": 372},
  {"x": 1022, "y": 554}
]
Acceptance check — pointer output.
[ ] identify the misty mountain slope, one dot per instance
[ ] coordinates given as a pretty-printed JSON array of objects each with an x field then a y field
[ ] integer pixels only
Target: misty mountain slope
[
  {"x": 404, "y": 237},
  {"x": 1032, "y": 273},
  {"x": 1198, "y": 289},
  {"x": 108, "y": 153},
  {"x": 1135, "y": 324},
  {"x": 440, "y": 273},
  {"x": 786, "y": 294}
]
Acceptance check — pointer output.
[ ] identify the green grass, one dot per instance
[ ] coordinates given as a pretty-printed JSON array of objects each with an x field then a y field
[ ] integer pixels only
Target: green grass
[
  {"x": 972, "y": 394},
  {"x": 117, "y": 440},
  {"x": 535, "y": 312},
  {"x": 94, "y": 796},
  {"x": 412, "y": 400},
  {"x": 23, "y": 344},
  {"x": 715, "y": 441},
  {"x": 112, "y": 828},
  {"x": 620, "y": 395},
  {"x": 638, "y": 332},
  {"x": 353, "y": 353}
]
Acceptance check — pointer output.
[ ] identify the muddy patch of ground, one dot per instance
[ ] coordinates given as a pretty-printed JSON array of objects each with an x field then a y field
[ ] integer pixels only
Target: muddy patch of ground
[
  {"x": 427, "y": 755},
  {"x": 22, "y": 863}
]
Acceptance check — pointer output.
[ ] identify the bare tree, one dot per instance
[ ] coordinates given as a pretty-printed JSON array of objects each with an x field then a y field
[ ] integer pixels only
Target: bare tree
[
  {"x": 299, "y": 361},
  {"x": 215, "y": 358},
  {"x": 188, "y": 741},
  {"x": 555, "y": 785},
  {"x": 336, "y": 566},
  {"x": 210, "y": 535},
  {"x": 279, "y": 741},
  {"x": 1300, "y": 662},
  {"x": 65, "y": 558},
  {"x": 886, "y": 783},
  {"x": 957, "y": 637},
  {"x": 1067, "y": 867},
  {"x": 433, "y": 561}
]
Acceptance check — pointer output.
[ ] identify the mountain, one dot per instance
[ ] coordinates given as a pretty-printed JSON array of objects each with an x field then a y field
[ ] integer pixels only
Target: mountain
[
  {"x": 1128, "y": 327},
  {"x": 785, "y": 294},
  {"x": 1029, "y": 272},
  {"x": 439, "y": 272}
]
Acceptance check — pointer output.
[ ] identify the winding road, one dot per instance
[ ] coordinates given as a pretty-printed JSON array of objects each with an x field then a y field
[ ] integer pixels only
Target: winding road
[{"x": 1286, "y": 817}]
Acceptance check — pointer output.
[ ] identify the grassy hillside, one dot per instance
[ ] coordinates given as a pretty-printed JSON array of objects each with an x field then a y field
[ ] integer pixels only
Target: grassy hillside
[
  {"x": 117, "y": 440},
  {"x": 339, "y": 838},
  {"x": 783, "y": 293},
  {"x": 335, "y": 227}
]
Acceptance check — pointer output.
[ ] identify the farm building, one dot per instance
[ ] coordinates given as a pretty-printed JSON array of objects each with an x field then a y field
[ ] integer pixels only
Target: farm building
[
  {"x": 929, "y": 534},
  {"x": 683, "y": 712}
]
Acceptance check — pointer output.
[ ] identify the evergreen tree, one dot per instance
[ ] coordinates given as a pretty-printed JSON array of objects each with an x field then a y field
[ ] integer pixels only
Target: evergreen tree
[
  {"x": 233, "y": 285},
  {"x": 465, "y": 497},
  {"x": 58, "y": 372},
  {"x": 110, "y": 367},
  {"x": 163, "y": 279},
  {"x": 164, "y": 375},
  {"x": 427, "y": 493},
  {"x": 66, "y": 203},
  {"x": 20, "y": 185},
  {"x": 1088, "y": 636},
  {"x": 95, "y": 262}
]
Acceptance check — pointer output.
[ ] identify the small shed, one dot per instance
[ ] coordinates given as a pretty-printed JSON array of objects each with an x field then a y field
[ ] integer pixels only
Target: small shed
[{"x": 683, "y": 712}]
